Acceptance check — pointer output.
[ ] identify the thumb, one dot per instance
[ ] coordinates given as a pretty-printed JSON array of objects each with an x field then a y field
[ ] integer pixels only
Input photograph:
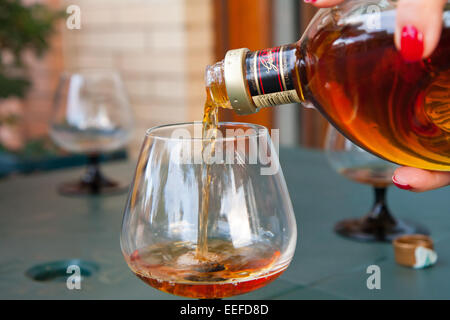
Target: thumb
[
  {"x": 419, "y": 180},
  {"x": 418, "y": 27}
]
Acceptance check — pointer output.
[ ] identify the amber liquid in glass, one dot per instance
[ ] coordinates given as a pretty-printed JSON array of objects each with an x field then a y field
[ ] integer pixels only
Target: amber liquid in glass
[
  {"x": 360, "y": 82},
  {"x": 223, "y": 271},
  {"x": 379, "y": 178}
]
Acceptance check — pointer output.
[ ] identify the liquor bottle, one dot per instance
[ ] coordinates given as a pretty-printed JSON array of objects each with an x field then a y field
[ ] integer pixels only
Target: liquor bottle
[{"x": 347, "y": 67}]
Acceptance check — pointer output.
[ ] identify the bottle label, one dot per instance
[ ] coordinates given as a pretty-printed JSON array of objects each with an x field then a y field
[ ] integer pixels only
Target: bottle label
[{"x": 269, "y": 76}]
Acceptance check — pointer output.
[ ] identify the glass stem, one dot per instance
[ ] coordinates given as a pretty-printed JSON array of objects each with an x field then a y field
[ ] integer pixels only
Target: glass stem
[
  {"x": 380, "y": 211},
  {"x": 93, "y": 176}
]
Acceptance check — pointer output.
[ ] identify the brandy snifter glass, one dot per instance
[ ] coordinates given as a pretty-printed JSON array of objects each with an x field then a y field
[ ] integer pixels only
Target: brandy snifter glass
[
  {"x": 360, "y": 166},
  {"x": 91, "y": 115},
  {"x": 208, "y": 227}
]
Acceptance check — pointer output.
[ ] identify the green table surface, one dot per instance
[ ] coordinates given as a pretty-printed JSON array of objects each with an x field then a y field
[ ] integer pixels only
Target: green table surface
[{"x": 37, "y": 225}]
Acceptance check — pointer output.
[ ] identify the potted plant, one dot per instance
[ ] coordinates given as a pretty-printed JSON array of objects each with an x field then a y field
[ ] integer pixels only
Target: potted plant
[{"x": 24, "y": 28}]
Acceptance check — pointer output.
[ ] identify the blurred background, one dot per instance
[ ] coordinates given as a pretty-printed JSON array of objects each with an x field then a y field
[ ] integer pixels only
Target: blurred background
[{"x": 159, "y": 47}]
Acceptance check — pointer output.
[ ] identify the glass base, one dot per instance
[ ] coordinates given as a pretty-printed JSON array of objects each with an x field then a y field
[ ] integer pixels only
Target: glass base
[
  {"x": 92, "y": 182},
  {"x": 374, "y": 230},
  {"x": 82, "y": 188}
]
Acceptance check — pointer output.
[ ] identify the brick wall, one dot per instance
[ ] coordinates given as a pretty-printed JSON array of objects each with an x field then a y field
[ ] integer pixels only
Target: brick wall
[
  {"x": 44, "y": 73},
  {"x": 160, "y": 47}
]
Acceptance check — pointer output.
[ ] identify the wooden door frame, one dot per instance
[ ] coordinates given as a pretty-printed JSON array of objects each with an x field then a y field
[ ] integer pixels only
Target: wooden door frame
[{"x": 248, "y": 24}]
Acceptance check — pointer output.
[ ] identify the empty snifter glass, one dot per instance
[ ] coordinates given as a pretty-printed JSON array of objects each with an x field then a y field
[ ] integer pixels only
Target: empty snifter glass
[
  {"x": 209, "y": 226},
  {"x": 91, "y": 115},
  {"x": 360, "y": 166}
]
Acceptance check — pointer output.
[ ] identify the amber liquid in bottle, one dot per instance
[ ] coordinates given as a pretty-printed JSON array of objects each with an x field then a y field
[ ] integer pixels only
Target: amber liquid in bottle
[
  {"x": 359, "y": 81},
  {"x": 395, "y": 109}
]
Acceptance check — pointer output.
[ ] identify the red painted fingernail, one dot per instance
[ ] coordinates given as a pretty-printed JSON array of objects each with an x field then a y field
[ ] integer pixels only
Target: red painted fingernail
[
  {"x": 401, "y": 185},
  {"x": 411, "y": 45}
]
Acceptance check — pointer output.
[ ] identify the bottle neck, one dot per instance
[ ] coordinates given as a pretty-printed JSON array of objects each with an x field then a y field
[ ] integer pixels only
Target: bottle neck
[
  {"x": 216, "y": 92},
  {"x": 270, "y": 76},
  {"x": 260, "y": 79}
]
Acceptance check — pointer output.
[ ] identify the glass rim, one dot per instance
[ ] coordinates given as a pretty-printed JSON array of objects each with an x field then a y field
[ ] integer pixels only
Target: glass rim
[{"x": 259, "y": 130}]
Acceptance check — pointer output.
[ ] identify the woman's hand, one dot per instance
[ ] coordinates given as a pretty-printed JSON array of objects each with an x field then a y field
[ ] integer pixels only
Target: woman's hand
[{"x": 418, "y": 29}]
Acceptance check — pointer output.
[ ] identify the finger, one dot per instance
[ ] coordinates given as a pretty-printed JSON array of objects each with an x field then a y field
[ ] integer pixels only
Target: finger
[
  {"x": 418, "y": 27},
  {"x": 324, "y": 3},
  {"x": 419, "y": 180}
]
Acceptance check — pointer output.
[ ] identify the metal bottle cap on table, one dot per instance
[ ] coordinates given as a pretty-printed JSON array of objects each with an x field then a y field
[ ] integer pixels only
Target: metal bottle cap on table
[{"x": 414, "y": 251}]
